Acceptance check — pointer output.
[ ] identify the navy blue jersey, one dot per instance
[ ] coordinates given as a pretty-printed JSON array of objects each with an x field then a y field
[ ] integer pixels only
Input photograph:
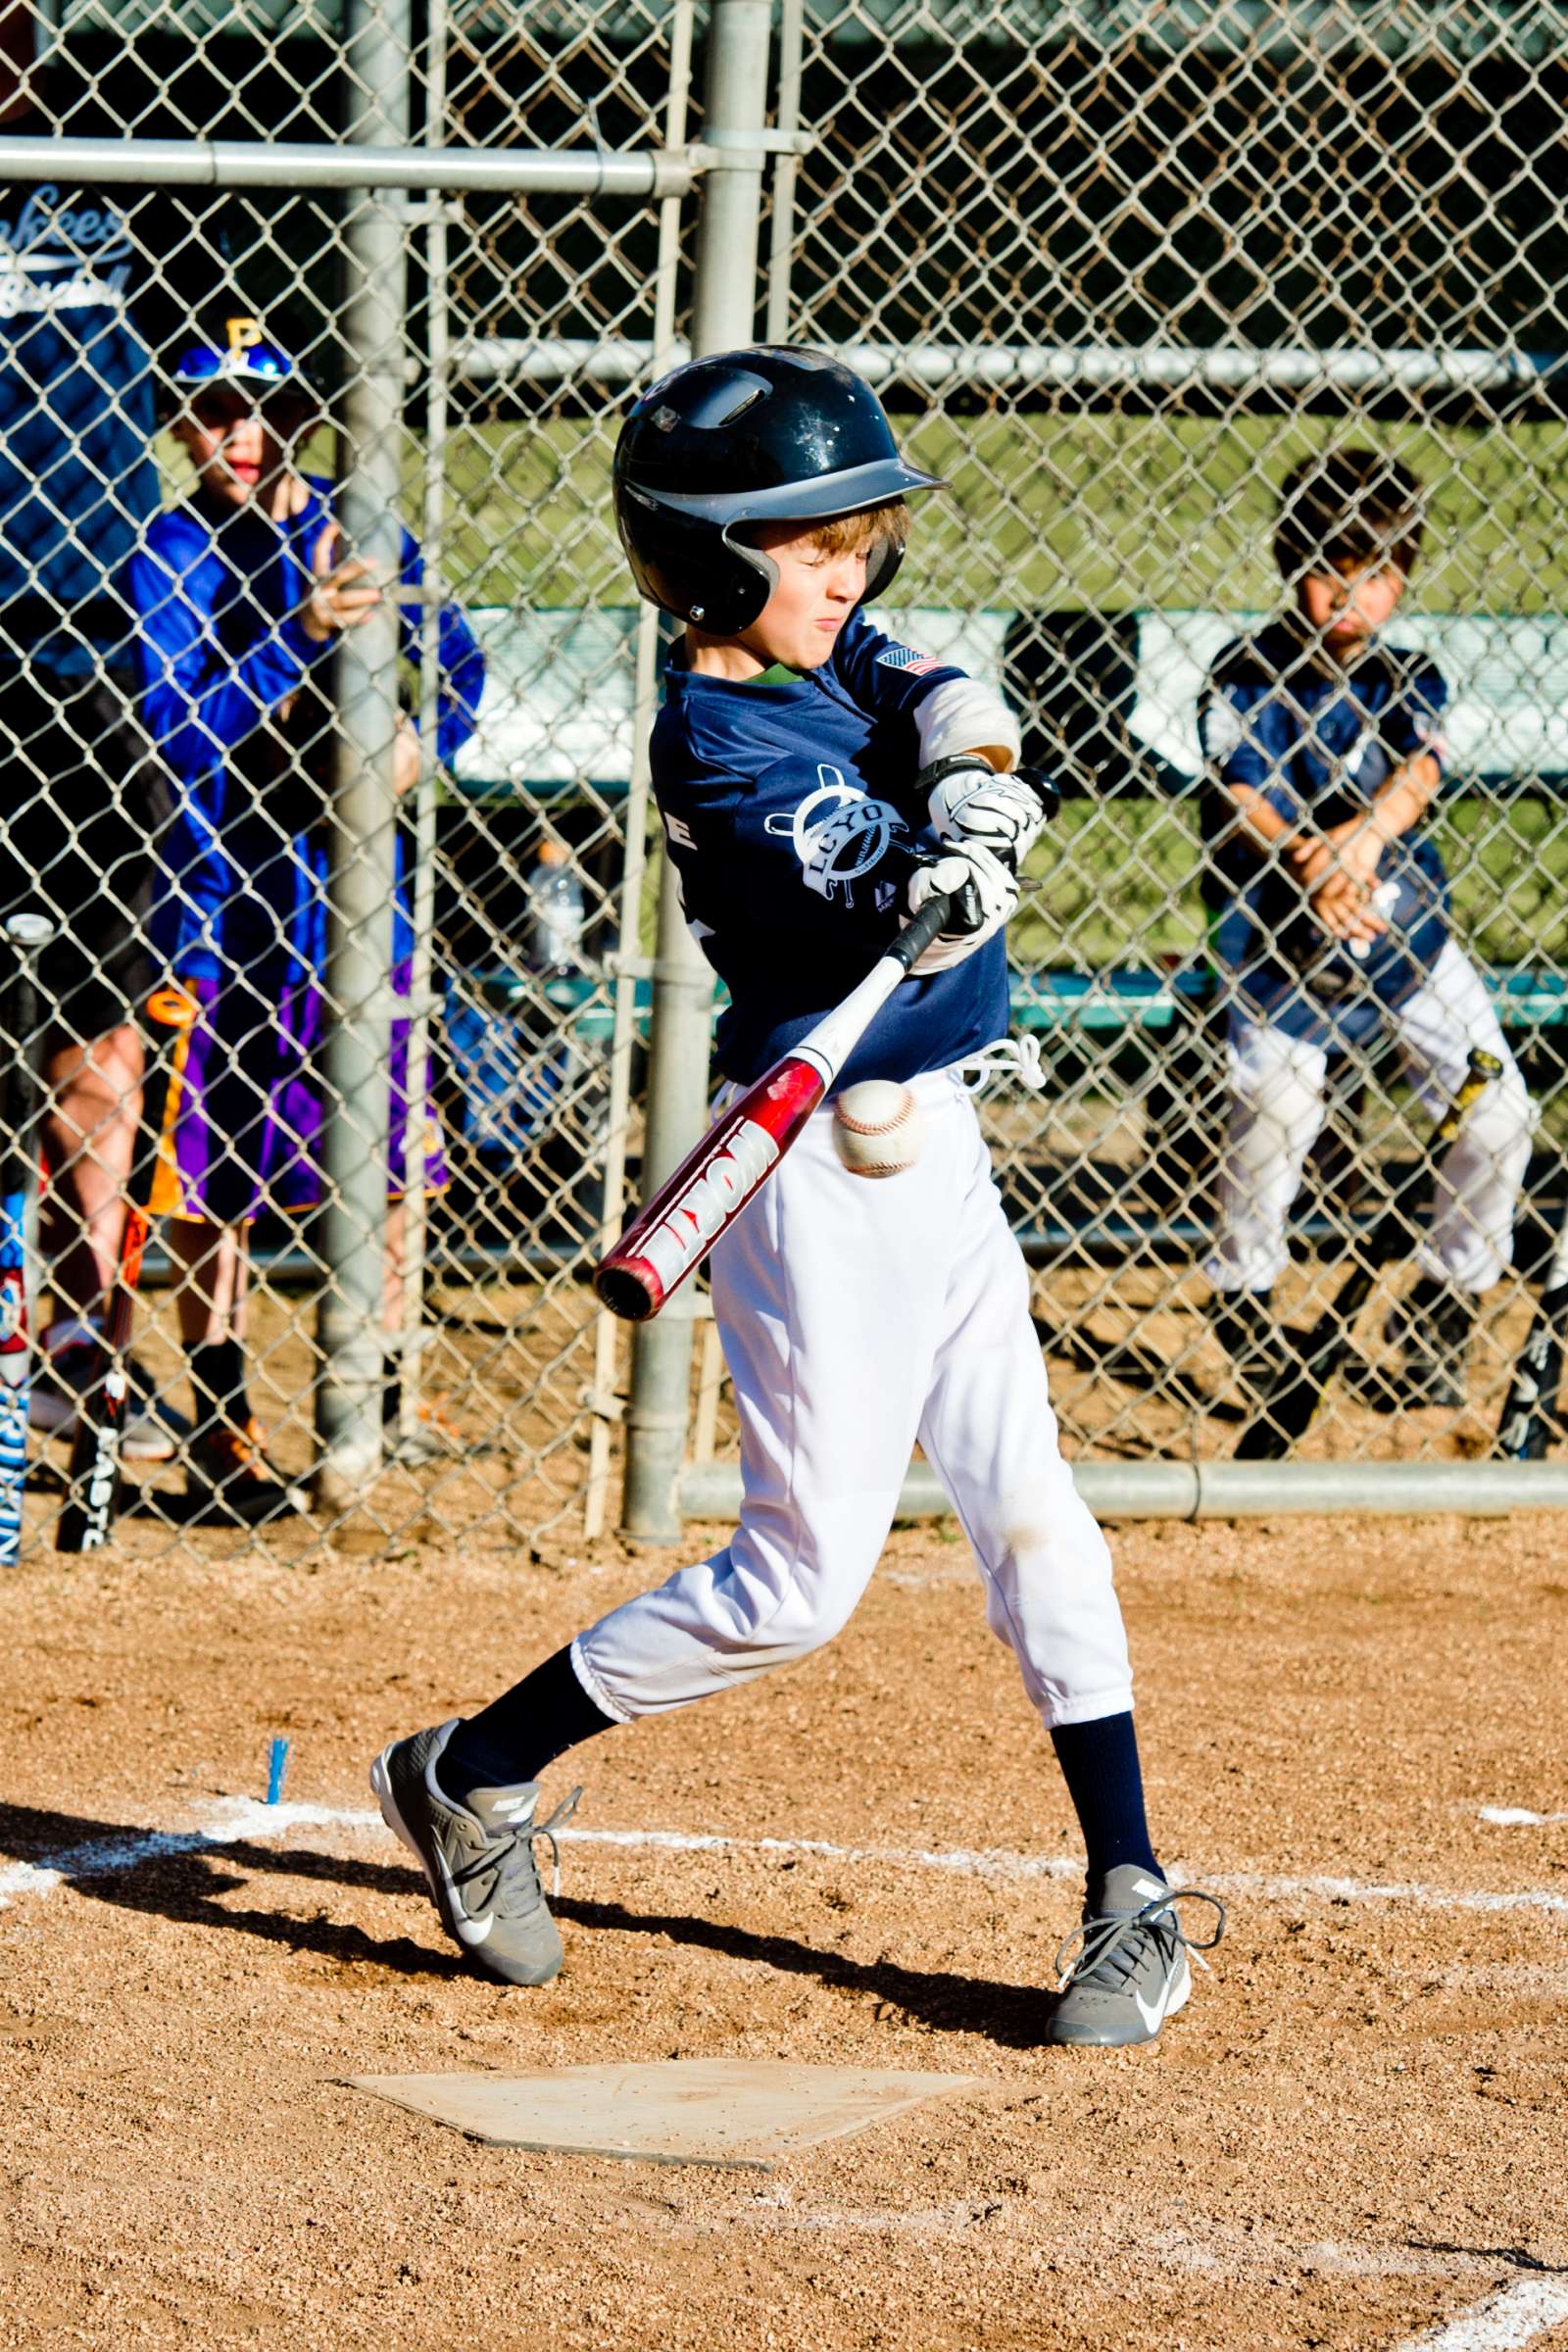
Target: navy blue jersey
[
  {"x": 76, "y": 474},
  {"x": 1319, "y": 743},
  {"x": 790, "y": 813}
]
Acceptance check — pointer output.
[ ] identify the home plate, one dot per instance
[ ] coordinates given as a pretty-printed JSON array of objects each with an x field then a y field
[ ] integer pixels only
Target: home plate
[{"x": 752, "y": 2112}]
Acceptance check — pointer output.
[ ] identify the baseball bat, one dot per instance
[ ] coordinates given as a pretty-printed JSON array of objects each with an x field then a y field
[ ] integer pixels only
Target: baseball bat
[
  {"x": 1529, "y": 1415},
  {"x": 1287, "y": 1413},
  {"x": 26, "y": 935},
  {"x": 674, "y": 1232},
  {"x": 93, "y": 1487}
]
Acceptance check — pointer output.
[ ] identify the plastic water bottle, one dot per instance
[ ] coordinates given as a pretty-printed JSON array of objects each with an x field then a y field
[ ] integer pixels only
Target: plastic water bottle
[{"x": 556, "y": 895}]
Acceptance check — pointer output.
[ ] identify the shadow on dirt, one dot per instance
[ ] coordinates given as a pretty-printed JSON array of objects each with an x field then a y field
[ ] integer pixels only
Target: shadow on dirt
[
  {"x": 184, "y": 1877},
  {"x": 187, "y": 1876},
  {"x": 1012, "y": 2016}
]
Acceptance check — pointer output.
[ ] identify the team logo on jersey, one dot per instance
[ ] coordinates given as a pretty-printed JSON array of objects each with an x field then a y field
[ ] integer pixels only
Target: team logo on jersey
[
  {"x": 838, "y": 834},
  {"x": 904, "y": 657},
  {"x": 1222, "y": 727}
]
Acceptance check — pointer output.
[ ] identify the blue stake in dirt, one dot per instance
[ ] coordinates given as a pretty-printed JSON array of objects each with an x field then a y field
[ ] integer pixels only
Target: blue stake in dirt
[{"x": 276, "y": 1767}]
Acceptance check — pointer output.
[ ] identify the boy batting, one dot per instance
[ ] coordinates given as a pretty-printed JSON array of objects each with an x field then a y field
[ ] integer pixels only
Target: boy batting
[{"x": 819, "y": 785}]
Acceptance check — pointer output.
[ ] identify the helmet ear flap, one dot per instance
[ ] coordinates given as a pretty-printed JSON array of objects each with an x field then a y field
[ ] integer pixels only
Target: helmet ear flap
[
  {"x": 886, "y": 556},
  {"x": 747, "y": 583}
]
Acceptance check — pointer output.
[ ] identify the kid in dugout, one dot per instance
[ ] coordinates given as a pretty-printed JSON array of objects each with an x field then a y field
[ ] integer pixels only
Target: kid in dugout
[
  {"x": 241, "y": 594},
  {"x": 1330, "y": 916},
  {"x": 818, "y": 783}
]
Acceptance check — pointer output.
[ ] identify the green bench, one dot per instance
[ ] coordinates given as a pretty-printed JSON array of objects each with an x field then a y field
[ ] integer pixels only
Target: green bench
[
  {"x": 1128, "y": 999},
  {"x": 1121, "y": 1001}
]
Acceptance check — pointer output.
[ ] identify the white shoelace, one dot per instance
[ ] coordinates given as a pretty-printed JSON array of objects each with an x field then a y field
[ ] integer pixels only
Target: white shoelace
[{"x": 1009, "y": 1057}]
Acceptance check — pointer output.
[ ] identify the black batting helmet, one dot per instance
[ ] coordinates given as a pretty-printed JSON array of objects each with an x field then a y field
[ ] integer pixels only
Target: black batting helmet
[{"x": 769, "y": 435}]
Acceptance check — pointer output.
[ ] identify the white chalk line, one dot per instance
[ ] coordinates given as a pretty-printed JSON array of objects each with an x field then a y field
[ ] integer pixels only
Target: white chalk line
[
  {"x": 1520, "y": 2311},
  {"x": 1516, "y": 1817},
  {"x": 244, "y": 1818},
  {"x": 1234, "y": 2258},
  {"x": 1223, "y": 2256},
  {"x": 1000, "y": 1864},
  {"x": 235, "y": 1818}
]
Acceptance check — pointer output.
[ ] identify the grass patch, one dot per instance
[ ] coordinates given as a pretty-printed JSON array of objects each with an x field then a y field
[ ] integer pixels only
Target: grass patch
[{"x": 1048, "y": 511}]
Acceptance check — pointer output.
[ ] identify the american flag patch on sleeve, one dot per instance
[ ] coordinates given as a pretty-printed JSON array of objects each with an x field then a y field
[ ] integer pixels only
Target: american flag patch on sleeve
[{"x": 901, "y": 657}]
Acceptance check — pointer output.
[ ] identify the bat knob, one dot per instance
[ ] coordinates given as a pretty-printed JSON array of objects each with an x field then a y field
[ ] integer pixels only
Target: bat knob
[{"x": 625, "y": 1292}]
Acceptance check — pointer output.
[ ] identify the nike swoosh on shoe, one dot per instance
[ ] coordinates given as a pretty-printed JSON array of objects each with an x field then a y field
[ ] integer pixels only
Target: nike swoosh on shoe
[
  {"x": 470, "y": 1929},
  {"x": 1152, "y": 2013}
]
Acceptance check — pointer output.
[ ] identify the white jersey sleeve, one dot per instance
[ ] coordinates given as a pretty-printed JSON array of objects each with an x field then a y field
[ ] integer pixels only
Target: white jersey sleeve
[{"x": 961, "y": 715}]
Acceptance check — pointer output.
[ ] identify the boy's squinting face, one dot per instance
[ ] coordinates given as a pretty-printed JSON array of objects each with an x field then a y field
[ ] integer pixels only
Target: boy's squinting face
[
  {"x": 233, "y": 447},
  {"x": 1344, "y": 604},
  {"x": 816, "y": 595}
]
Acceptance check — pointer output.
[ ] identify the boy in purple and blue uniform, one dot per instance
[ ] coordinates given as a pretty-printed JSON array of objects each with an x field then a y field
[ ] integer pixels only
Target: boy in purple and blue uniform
[{"x": 240, "y": 599}]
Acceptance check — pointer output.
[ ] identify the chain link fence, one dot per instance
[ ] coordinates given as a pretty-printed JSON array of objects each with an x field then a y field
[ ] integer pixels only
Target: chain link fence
[{"x": 1117, "y": 270}]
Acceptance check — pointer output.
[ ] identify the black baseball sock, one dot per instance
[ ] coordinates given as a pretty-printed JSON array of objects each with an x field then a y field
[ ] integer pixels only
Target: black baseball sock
[
  {"x": 522, "y": 1731},
  {"x": 1099, "y": 1764},
  {"x": 217, "y": 1383}
]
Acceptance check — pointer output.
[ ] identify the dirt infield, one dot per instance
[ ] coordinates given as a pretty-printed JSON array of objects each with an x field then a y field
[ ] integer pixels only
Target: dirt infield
[{"x": 1353, "y": 2134}]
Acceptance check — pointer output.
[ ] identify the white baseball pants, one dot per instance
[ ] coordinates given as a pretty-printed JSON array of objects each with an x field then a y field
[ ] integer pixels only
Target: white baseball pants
[
  {"x": 857, "y": 1316},
  {"x": 1277, "y": 1108}
]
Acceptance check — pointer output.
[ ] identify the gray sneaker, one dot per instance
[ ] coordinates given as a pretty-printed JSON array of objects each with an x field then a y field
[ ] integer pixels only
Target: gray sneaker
[
  {"x": 478, "y": 1858},
  {"x": 1129, "y": 1971}
]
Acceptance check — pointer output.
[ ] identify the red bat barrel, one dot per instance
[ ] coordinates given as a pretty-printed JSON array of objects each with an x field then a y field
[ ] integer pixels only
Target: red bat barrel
[
  {"x": 676, "y": 1229},
  {"x": 686, "y": 1216}
]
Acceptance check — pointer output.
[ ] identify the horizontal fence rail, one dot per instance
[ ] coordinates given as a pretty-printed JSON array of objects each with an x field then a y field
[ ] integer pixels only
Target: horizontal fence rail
[
  {"x": 298, "y": 165},
  {"x": 1015, "y": 368}
]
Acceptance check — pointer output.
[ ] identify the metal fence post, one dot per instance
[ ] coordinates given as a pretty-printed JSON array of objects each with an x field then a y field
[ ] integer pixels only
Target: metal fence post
[
  {"x": 645, "y": 703},
  {"x": 786, "y": 170},
  {"x": 423, "y": 1003},
  {"x": 362, "y": 825},
  {"x": 723, "y": 317}
]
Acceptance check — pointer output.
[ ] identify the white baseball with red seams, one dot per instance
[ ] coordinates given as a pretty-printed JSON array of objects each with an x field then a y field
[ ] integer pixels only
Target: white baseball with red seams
[{"x": 877, "y": 1127}]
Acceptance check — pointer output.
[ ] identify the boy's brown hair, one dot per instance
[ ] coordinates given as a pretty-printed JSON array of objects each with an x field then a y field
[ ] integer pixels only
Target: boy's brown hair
[
  {"x": 846, "y": 534},
  {"x": 1348, "y": 507}
]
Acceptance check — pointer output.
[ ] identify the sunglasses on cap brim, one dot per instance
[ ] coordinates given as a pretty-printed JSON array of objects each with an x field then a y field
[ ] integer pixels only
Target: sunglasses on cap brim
[{"x": 224, "y": 403}]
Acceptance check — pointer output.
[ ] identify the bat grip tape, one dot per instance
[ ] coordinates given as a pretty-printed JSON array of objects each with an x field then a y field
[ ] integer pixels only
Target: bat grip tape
[{"x": 919, "y": 933}]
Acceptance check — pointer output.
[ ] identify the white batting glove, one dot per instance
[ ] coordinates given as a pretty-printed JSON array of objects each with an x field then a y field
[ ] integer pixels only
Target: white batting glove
[
  {"x": 984, "y": 895},
  {"x": 970, "y": 803}
]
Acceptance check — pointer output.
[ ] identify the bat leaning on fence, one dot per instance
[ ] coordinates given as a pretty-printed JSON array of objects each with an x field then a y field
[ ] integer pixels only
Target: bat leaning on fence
[
  {"x": 1529, "y": 1420},
  {"x": 93, "y": 1487},
  {"x": 1287, "y": 1413},
  {"x": 26, "y": 935},
  {"x": 685, "y": 1218}
]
